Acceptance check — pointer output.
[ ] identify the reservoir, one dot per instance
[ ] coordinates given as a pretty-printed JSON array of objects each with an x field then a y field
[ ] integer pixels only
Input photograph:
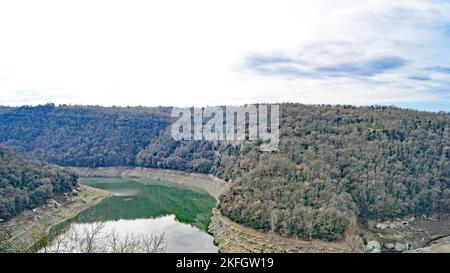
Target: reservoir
[{"x": 144, "y": 207}]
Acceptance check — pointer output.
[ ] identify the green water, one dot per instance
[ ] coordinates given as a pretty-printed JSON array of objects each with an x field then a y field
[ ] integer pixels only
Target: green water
[
  {"x": 142, "y": 199},
  {"x": 144, "y": 207}
]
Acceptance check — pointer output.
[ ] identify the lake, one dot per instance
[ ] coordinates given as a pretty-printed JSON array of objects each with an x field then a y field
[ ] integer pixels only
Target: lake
[{"x": 145, "y": 207}]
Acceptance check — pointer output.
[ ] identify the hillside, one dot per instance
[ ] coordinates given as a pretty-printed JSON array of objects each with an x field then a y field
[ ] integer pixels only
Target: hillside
[
  {"x": 336, "y": 165},
  {"x": 26, "y": 184},
  {"x": 81, "y": 136}
]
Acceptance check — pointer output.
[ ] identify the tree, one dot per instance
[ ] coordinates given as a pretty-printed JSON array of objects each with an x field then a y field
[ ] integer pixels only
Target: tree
[
  {"x": 381, "y": 162},
  {"x": 27, "y": 183},
  {"x": 5, "y": 239},
  {"x": 95, "y": 238}
]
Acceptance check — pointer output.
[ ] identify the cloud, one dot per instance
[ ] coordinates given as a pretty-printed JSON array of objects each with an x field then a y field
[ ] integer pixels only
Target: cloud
[
  {"x": 420, "y": 78},
  {"x": 366, "y": 68},
  {"x": 279, "y": 65},
  {"x": 276, "y": 66},
  {"x": 311, "y": 51},
  {"x": 440, "y": 69}
]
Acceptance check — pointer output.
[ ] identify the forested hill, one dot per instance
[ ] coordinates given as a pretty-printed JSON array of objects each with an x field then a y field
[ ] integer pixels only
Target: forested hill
[
  {"x": 81, "y": 136},
  {"x": 335, "y": 164},
  {"x": 26, "y": 184}
]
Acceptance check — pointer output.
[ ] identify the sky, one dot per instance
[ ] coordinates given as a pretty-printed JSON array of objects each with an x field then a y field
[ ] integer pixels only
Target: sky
[{"x": 209, "y": 52}]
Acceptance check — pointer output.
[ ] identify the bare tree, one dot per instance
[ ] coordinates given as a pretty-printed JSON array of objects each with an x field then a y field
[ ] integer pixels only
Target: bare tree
[
  {"x": 94, "y": 238},
  {"x": 155, "y": 243},
  {"x": 353, "y": 239},
  {"x": 58, "y": 244},
  {"x": 91, "y": 235},
  {"x": 122, "y": 244},
  {"x": 309, "y": 222}
]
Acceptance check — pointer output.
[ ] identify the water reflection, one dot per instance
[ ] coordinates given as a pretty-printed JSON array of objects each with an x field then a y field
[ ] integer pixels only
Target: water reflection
[
  {"x": 144, "y": 208},
  {"x": 180, "y": 238}
]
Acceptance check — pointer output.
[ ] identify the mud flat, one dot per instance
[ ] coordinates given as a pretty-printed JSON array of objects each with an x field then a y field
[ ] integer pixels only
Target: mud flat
[{"x": 31, "y": 225}]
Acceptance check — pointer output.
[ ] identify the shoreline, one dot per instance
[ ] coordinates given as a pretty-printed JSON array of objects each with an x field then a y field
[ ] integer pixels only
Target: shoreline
[
  {"x": 209, "y": 183},
  {"x": 30, "y": 226},
  {"x": 229, "y": 236},
  {"x": 232, "y": 237}
]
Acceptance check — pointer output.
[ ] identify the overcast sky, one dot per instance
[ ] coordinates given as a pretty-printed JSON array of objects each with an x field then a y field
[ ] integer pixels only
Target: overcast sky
[{"x": 207, "y": 52}]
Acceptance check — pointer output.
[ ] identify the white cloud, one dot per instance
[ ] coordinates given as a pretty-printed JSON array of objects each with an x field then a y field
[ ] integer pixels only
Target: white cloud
[{"x": 193, "y": 52}]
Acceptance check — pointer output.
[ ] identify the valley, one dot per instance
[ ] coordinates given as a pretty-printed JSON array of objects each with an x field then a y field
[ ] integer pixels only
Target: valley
[
  {"x": 129, "y": 199},
  {"x": 342, "y": 180}
]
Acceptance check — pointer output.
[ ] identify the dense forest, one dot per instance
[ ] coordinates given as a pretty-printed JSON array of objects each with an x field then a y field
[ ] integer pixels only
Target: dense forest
[
  {"x": 335, "y": 165},
  {"x": 81, "y": 136},
  {"x": 26, "y": 184}
]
